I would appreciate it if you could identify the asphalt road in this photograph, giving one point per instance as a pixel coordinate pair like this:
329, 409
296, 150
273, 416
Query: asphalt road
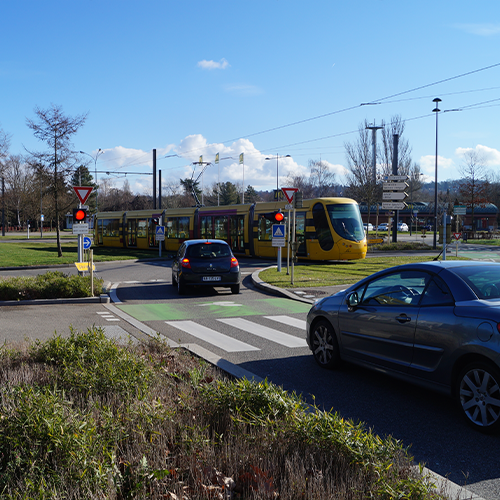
146, 302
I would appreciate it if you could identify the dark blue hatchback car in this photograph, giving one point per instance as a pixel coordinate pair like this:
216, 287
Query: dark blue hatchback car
205, 263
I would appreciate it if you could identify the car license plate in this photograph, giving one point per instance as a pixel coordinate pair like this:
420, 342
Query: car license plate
211, 278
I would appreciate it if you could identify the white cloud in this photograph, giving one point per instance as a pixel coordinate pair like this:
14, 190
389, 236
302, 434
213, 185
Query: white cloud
485, 29
491, 156
222, 64
178, 161
428, 165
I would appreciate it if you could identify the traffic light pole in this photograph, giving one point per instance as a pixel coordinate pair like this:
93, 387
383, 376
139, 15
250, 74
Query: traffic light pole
80, 242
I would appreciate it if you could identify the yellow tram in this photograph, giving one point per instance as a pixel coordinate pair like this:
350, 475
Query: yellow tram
325, 228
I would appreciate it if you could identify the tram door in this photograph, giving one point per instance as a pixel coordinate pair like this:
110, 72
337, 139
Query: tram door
131, 233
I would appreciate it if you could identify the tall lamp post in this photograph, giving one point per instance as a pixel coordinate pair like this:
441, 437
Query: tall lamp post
99, 152
436, 110
277, 168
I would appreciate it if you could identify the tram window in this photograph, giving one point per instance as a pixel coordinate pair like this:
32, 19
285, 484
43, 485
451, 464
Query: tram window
142, 228
346, 221
111, 227
206, 226
265, 229
183, 227
177, 227
236, 232
323, 232
220, 226
172, 227
300, 232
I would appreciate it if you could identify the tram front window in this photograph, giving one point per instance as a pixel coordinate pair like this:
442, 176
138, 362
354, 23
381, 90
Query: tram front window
346, 221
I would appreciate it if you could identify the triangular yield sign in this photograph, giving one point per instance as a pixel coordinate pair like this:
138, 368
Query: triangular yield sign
83, 192
289, 192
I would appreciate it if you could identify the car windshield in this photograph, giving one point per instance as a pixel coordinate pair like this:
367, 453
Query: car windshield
208, 251
484, 280
346, 221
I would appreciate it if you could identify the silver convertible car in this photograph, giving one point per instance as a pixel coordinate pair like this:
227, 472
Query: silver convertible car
436, 324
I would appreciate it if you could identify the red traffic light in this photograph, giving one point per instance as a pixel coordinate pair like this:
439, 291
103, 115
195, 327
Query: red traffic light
279, 216
79, 215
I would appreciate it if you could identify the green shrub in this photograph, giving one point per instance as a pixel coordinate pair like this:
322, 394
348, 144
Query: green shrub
51, 285
89, 362
45, 440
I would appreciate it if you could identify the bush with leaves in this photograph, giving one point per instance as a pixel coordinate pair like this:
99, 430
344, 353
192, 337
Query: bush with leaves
51, 285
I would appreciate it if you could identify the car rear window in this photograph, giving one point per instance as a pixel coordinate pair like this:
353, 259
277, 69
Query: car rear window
484, 280
208, 251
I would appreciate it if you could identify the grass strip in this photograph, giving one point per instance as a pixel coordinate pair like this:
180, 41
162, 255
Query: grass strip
336, 273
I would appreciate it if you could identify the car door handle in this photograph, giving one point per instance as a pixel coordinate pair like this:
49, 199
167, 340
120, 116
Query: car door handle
403, 318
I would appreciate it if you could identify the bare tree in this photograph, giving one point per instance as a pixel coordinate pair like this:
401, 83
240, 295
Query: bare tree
474, 185
322, 178
55, 129
386, 148
361, 185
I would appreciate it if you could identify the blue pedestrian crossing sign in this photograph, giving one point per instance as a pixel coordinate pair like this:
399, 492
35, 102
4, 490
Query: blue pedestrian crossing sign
278, 231
160, 233
278, 235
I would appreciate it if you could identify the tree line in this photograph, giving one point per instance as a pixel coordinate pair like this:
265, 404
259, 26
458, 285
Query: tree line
40, 181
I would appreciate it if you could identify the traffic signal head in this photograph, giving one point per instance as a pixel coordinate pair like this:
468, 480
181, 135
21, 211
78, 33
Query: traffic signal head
279, 216
79, 215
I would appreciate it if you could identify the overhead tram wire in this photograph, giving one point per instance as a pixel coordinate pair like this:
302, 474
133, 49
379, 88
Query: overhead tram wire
373, 102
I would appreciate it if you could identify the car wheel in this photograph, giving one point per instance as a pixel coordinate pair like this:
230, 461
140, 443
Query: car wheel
324, 345
478, 392
174, 279
181, 287
235, 288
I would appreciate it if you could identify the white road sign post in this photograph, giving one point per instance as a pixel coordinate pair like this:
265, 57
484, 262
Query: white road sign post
289, 194
278, 240
160, 236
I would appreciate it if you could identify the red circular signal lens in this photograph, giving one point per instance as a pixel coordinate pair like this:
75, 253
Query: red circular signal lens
278, 217
80, 215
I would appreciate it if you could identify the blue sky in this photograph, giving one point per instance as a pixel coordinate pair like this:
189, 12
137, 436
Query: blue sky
265, 78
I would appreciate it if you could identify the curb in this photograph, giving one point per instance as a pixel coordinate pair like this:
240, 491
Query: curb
102, 299
274, 290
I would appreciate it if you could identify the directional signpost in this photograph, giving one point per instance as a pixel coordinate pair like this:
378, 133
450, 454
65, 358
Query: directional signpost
394, 191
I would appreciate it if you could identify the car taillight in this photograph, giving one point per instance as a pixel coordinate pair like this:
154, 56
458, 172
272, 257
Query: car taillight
185, 263
498, 327
234, 262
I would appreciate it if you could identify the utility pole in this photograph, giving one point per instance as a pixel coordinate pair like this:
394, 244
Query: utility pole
395, 153
154, 179
374, 129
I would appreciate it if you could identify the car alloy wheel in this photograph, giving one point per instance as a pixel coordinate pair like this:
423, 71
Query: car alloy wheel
479, 396
324, 345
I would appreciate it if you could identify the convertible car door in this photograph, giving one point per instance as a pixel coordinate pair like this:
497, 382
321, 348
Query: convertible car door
381, 329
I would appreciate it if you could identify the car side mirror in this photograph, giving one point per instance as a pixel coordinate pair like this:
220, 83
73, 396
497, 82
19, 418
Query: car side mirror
352, 301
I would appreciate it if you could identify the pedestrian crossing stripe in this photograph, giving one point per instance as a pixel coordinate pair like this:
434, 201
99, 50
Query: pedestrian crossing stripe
230, 344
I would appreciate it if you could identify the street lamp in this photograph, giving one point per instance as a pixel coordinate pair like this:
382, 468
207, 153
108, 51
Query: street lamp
436, 110
99, 152
277, 168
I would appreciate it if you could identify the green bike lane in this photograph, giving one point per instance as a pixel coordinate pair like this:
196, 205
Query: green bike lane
201, 309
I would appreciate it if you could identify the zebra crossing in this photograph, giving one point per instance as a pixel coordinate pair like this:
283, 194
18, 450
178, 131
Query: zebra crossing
231, 344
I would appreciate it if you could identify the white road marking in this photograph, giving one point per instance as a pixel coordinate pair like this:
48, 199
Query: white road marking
288, 320
265, 332
217, 339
